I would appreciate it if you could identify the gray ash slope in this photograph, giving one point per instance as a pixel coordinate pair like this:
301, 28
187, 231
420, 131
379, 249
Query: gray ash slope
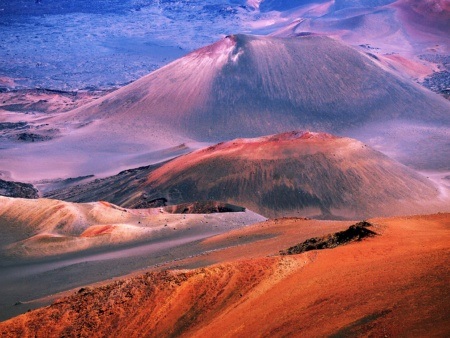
116, 189
311, 82
252, 86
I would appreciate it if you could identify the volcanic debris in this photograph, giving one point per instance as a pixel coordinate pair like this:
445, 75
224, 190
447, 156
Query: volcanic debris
18, 189
355, 232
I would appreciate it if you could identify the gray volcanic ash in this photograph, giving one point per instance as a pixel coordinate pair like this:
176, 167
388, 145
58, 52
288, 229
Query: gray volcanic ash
241, 86
250, 86
297, 173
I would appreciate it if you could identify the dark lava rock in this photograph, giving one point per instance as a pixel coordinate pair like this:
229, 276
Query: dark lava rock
356, 232
31, 137
439, 82
14, 125
207, 207
154, 203
18, 189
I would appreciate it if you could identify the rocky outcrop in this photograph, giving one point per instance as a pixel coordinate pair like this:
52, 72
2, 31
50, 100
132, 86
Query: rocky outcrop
18, 189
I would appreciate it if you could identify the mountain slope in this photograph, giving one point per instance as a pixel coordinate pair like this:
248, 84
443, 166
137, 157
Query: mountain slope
241, 86
249, 86
297, 173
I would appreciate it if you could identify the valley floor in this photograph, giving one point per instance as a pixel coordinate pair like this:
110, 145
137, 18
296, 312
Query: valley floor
392, 284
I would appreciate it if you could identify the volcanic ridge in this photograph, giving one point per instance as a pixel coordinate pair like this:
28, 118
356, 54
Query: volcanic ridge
290, 174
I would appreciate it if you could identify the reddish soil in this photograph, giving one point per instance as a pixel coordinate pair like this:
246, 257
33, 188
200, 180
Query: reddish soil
392, 284
306, 174
412, 68
96, 230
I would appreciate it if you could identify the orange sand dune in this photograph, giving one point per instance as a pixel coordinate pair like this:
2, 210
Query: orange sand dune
393, 284
45, 227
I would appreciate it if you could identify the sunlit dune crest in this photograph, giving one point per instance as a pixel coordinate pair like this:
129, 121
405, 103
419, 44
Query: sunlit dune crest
45, 227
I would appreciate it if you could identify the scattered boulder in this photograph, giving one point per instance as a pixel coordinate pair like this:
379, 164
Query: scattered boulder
145, 203
14, 125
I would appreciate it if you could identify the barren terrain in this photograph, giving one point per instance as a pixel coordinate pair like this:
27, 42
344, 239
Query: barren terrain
240, 86
151, 184
291, 174
48, 246
363, 288
43, 227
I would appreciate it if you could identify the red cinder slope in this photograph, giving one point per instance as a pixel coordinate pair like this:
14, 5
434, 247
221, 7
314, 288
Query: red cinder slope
297, 173
393, 284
